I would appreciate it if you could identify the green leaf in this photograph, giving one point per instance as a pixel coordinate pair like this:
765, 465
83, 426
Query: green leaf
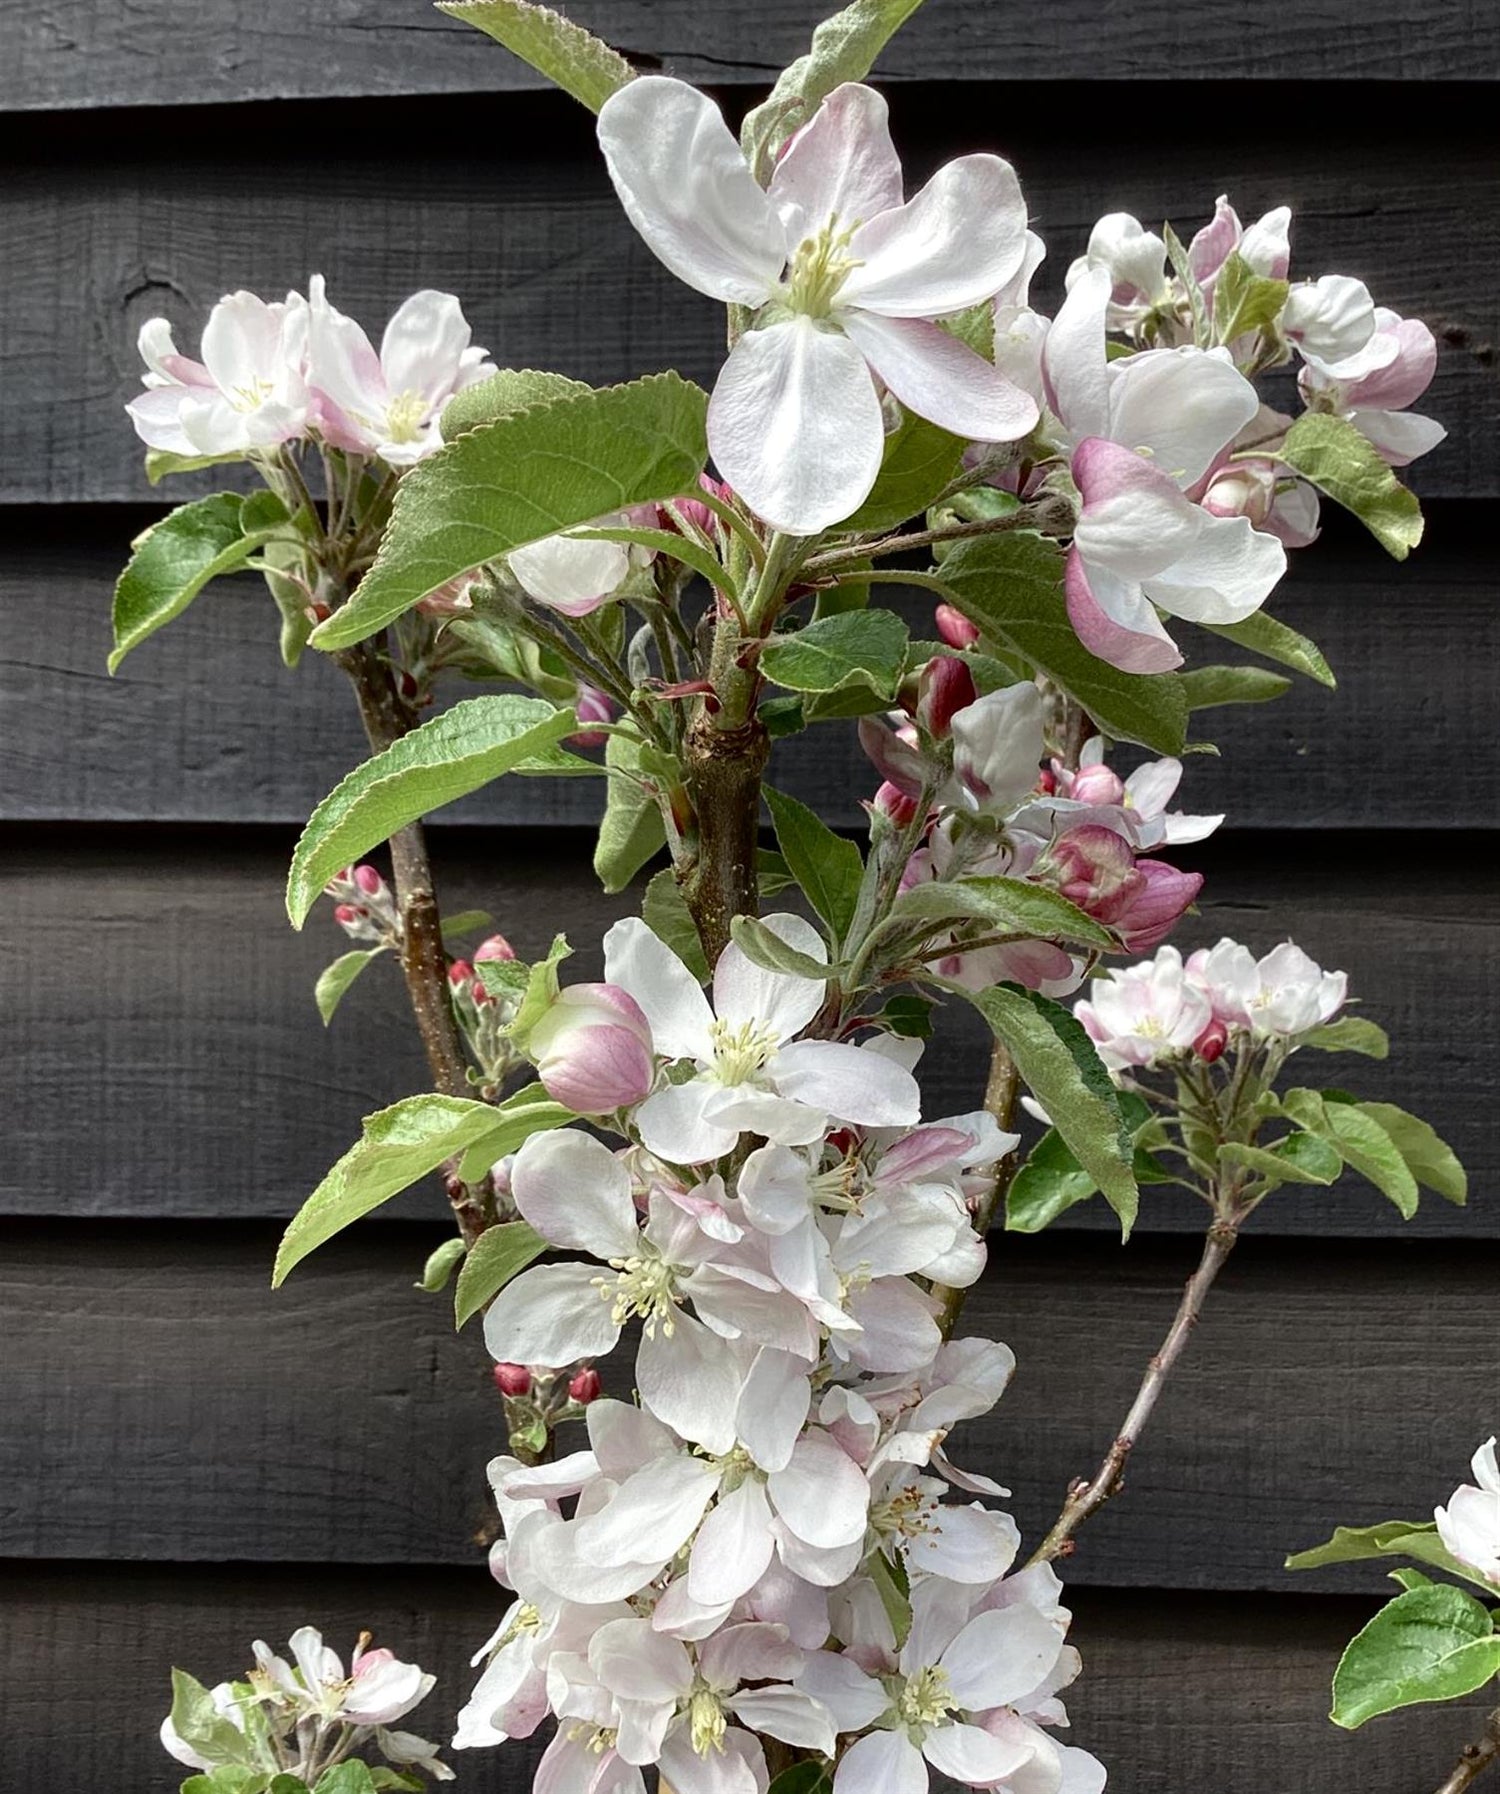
866, 647
803, 1778
1410, 1579
1330, 453
446, 758
467, 921
401, 1144
1064, 1072
1011, 586
827, 867
844, 48
173, 560
1350, 1034
908, 1017
1430, 1159
348, 1777
529, 475
162, 464
1244, 300
1391, 1538
509, 390
1262, 634
540, 992
665, 912
1182, 267
440, 1265
1004, 906
1047, 1185
577, 61
200, 1725
235, 1778
1430, 1644
893, 1585
383, 1777
334, 980
631, 831
919, 462
1369, 1150
499, 1254
766, 948
1207, 687
1313, 1161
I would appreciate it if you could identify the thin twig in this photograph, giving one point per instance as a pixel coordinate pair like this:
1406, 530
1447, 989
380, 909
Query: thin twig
1476, 1758
1002, 1093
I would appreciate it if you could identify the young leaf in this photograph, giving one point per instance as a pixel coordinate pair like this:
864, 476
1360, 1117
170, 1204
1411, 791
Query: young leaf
439, 1266
827, 867
1430, 1644
499, 1254
235, 1778
1207, 687
348, 1777
446, 758
1350, 1034
1369, 1150
1430, 1159
334, 980
162, 464
531, 474
894, 1588
199, 1723
509, 390
577, 61
401, 1144
1313, 1161
173, 560
1011, 586
865, 647
908, 1017
1003, 906
631, 830
919, 462
1064, 1072
1262, 634
665, 913
540, 992
1391, 1538
1330, 453
843, 48
766, 948
1244, 300
467, 921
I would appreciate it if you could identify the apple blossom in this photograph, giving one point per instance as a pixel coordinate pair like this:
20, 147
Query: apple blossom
1376, 402
592, 1049
1141, 1014
1469, 1525
576, 575
1283, 993
843, 279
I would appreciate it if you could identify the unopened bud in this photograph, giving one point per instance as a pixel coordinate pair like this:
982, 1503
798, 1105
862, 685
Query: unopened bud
591, 706
347, 915
368, 880
1046, 781
893, 802
494, 946
512, 1379
460, 973
954, 627
1211, 1042
585, 1385
946, 687
1097, 785
593, 1050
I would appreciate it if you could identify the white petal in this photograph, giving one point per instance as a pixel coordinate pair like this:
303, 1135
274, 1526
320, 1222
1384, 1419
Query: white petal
840, 166
652, 1515
1001, 1655
773, 1405
822, 1494
732, 1770
733, 1546
966, 1544
646, 968
882, 1763
1074, 361
747, 1109
785, 1714
567, 572
1228, 573
755, 1651
241, 345
858, 1086
558, 1566
575, 1192
423, 346
773, 1189
680, 1615
795, 425
779, 1002
638, 1664
624, 1438
688, 190
823, 1568
898, 1332
969, 1754
675, 1124
551, 1315
1181, 405
1399, 435
940, 378
551, 1482
854, 1698
690, 1381
956, 242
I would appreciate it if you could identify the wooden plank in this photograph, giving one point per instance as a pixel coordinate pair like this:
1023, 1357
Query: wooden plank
340, 1419
1192, 1693
212, 1088
107, 231
204, 724
74, 53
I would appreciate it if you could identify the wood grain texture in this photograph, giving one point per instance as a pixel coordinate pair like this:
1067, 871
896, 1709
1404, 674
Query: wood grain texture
1202, 1693
212, 1087
515, 214
204, 724
164, 1402
84, 53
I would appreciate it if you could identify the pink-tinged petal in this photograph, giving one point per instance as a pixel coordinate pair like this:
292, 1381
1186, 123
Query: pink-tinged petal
791, 1605
732, 1770
690, 1381
552, 1315
840, 166
423, 346
822, 1494
1001, 1655
1182, 406
165, 365
848, 1081
1128, 634
881, 1763
1075, 369
746, 994
575, 1192
795, 425
773, 1406
570, 574
752, 1652
652, 1515
1134, 520
158, 418
1403, 380
670, 997
1229, 572
783, 1713
569, 1766
636, 1663
968, 1753
854, 1698
1400, 436
1212, 245
956, 242
940, 378
688, 190
733, 1547
898, 1332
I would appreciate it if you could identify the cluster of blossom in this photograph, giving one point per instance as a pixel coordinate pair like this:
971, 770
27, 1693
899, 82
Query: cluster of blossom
1470, 1524
764, 1547
1165, 1007
299, 370
302, 1717
364, 906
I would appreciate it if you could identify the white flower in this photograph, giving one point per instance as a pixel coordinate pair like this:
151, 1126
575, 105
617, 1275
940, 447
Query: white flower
1135, 260
752, 1074
997, 744
388, 404
1470, 1524
576, 575
1376, 402
1283, 993
378, 1690
1331, 323
845, 280
247, 392
1143, 1012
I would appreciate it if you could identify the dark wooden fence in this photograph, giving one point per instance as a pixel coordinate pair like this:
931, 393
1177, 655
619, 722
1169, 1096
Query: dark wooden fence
186, 1460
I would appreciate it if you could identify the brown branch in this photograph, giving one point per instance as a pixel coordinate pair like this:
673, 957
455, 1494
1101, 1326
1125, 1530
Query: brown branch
1002, 1092
723, 769
1086, 1498
1476, 1758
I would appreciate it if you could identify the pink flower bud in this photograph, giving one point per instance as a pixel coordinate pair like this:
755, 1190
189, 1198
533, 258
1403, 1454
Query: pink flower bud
894, 803
460, 973
1159, 896
1091, 866
694, 511
592, 706
585, 1385
1046, 781
368, 880
1097, 785
347, 915
512, 1379
593, 1050
1211, 1042
946, 687
1243, 489
954, 627
494, 946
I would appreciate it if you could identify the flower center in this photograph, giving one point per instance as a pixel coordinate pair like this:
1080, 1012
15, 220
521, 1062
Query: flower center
404, 416
645, 1285
251, 396
926, 1699
739, 1053
818, 270
597, 1739
905, 1516
706, 1720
